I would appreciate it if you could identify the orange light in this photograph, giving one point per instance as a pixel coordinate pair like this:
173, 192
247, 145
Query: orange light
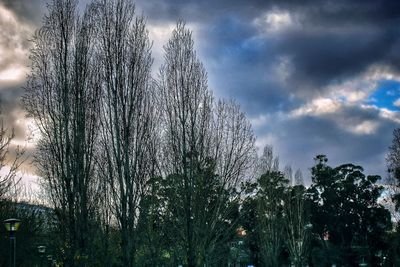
241, 232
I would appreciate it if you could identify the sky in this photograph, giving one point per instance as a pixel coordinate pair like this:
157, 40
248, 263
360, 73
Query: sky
313, 77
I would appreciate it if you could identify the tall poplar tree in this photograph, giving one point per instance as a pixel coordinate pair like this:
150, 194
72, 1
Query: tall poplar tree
207, 149
63, 96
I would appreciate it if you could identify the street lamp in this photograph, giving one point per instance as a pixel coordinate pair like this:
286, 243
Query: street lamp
12, 226
308, 226
363, 263
50, 259
41, 250
241, 234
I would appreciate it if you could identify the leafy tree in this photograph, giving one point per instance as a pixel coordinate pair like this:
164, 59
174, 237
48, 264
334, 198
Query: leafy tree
275, 216
345, 208
154, 236
249, 221
263, 217
270, 213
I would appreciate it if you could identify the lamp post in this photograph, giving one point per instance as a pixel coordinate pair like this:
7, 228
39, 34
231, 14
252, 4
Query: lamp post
362, 263
50, 259
241, 234
12, 226
41, 250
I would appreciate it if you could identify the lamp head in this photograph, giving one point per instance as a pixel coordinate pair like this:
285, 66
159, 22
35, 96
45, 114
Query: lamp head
41, 249
12, 225
308, 226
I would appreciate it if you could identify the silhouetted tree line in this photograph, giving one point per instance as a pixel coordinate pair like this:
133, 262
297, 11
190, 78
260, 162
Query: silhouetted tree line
155, 171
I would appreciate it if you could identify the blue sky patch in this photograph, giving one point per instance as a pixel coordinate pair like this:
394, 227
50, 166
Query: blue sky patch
387, 92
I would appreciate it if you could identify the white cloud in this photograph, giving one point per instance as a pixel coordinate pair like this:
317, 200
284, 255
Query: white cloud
160, 34
14, 46
390, 115
363, 128
262, 141
359, 88
352, 94
317, 107
283, 69
13, 73
31, 133
260, 120
275, 21
397, 103
337, 112
7, 15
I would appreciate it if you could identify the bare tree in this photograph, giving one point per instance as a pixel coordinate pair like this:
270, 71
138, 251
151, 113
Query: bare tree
296, 224
393, 156
267, 162
187, 107
128, 114
281, 212
234, 156
206, 149
288, 172
233, 143
10, 161
298, 178
393, 179
62, 95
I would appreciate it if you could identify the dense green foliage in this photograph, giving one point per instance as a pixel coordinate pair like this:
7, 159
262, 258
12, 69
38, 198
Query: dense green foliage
345, 206
342, 220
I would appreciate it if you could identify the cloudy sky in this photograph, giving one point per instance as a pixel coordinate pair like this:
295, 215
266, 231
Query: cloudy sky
316, 77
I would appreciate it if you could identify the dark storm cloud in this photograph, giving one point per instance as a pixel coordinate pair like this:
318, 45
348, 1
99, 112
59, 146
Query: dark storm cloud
299, 140
337, 39
329, 43
274, 71
32, 11
322, 58
13, 41
29, 11
201, 11
12, 117
11, 109
334, 41
15, 30
239, 66
345, 13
